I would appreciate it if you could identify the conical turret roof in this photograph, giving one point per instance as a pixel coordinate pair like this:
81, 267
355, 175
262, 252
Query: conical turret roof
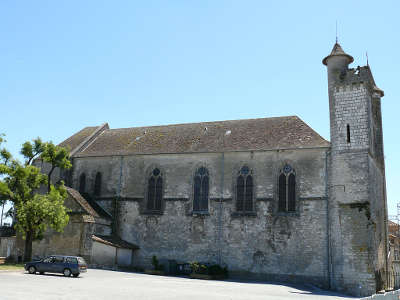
337, 51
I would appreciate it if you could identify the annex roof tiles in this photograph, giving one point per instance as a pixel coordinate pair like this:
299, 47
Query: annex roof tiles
81, 201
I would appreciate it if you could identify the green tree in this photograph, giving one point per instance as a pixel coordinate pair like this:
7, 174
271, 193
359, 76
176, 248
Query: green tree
30, 150
4, 159
38, 213
57, 157
20, 183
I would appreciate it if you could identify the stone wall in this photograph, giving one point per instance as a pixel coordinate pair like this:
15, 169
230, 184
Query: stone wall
353, 247
7, 245
265, 244
378, 219
124, 257
74, 240
103, 255
357, 186
350, 108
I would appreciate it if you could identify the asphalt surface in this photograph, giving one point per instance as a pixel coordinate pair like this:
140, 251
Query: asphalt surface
111, 285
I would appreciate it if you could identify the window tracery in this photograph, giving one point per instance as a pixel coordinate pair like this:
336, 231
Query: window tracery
287, 189
154, 191
201, 190
244, 190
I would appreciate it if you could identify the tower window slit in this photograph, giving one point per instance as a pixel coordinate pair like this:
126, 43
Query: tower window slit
348, 133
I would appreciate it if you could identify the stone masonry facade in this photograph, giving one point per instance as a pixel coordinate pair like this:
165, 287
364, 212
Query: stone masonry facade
264, 244
315, 210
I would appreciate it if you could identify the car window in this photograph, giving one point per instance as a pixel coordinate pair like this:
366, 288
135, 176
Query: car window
58, 259
48, 259
71, 260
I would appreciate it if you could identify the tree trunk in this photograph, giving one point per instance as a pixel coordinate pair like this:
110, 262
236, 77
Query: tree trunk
28, 246
2, 213
49, 178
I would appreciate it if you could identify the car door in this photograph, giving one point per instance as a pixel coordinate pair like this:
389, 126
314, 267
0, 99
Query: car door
72, 264
58, 264
45, 265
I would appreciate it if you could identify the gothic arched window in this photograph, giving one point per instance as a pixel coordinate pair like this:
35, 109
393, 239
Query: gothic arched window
244, 190
82, 183
287, 190
97, 184
201, 187
154, 191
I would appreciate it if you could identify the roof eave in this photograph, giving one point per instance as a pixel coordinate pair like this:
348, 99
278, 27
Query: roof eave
200, 152
325, 60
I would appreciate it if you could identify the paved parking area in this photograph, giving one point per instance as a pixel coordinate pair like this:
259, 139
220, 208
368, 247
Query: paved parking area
111, 285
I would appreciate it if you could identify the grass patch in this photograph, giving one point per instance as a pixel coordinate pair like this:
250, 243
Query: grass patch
11, 267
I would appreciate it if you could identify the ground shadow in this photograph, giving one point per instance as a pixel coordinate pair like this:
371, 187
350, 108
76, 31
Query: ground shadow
53, 275
305, 289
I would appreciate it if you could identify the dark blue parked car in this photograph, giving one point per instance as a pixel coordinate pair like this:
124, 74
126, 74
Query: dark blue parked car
67, 265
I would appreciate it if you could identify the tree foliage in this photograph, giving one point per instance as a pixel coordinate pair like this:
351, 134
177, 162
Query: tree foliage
30, 150
20, 184
5, 157
42, 211
57, 157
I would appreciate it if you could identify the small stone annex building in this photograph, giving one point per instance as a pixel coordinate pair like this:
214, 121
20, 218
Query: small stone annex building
269, 198
88, 234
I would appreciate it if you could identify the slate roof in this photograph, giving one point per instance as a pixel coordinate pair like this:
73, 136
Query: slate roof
75, 140
234, 135
338, 51
114, 241
81, 201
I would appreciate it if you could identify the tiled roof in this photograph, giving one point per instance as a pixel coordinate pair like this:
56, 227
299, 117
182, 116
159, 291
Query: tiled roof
114, 241
74, 141
82, 201
235, 135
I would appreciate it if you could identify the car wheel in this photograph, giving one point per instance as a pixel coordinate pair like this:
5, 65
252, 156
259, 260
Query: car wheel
67, 272
32, 270
76, 275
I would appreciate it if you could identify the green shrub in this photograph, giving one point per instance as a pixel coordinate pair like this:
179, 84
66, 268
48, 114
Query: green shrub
199, 268
205, 269
156, 264
217, 270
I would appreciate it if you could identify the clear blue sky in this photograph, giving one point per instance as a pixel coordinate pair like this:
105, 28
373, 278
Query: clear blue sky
70, 64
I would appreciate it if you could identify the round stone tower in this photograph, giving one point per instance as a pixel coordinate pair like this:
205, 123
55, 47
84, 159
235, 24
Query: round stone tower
337, 64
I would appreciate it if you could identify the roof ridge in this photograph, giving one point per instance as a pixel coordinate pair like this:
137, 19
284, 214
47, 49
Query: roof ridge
86, 142
207, 122
83, 203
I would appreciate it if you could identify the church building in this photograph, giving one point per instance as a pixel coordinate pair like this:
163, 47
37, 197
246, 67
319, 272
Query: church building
269, 198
